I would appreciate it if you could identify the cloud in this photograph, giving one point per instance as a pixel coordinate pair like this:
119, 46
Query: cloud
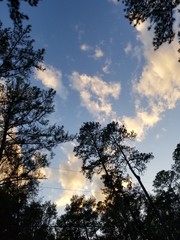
50, 173
113, 1
98, 53
79, 30
128, 48
95, 52
159, 135
85, 47
136, 51
106, 68
72, 180
95, 94
52, 78
158, 88
142, 121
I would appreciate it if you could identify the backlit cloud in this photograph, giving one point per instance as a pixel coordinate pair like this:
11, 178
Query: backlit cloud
96, 94
72, 180
52, 78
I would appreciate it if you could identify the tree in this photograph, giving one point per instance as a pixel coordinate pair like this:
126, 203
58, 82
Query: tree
37, 221
14, 9
166, 186
176, 158
26, 135
27, 138
79, 220
18, 58
131, 202
160, 15
167, 201
31, 220
107, 151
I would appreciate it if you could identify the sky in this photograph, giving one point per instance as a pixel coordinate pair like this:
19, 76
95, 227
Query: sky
103, 69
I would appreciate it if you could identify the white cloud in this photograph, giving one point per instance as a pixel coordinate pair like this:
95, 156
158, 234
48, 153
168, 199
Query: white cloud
135, 52
98, 53
95, 52
79, 29
159, 135
159, 84
85, 47
95, 94
106, 68
114, 1
128, 48
52, 78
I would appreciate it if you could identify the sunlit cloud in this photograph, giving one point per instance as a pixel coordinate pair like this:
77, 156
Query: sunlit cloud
52, 78
50, 174
72, 179
98, 53
158, 86
96, 94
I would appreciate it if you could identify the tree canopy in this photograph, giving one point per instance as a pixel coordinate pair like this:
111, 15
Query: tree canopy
161, 16
15, 12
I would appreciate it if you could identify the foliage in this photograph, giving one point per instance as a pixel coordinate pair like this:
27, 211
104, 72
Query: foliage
80, 220
18, 58
27, 136
107, 151
14, 9
160, 15
21, 219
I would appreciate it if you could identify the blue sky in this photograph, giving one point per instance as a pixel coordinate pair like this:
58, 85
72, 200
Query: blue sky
103, 69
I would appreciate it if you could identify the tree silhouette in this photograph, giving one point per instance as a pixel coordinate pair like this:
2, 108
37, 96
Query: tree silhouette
15, 12
18, 58
107, 151
27, 136
160, 15
25, 219
80, 220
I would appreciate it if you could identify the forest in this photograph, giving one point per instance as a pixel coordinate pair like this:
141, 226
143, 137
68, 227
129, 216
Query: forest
28, 140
